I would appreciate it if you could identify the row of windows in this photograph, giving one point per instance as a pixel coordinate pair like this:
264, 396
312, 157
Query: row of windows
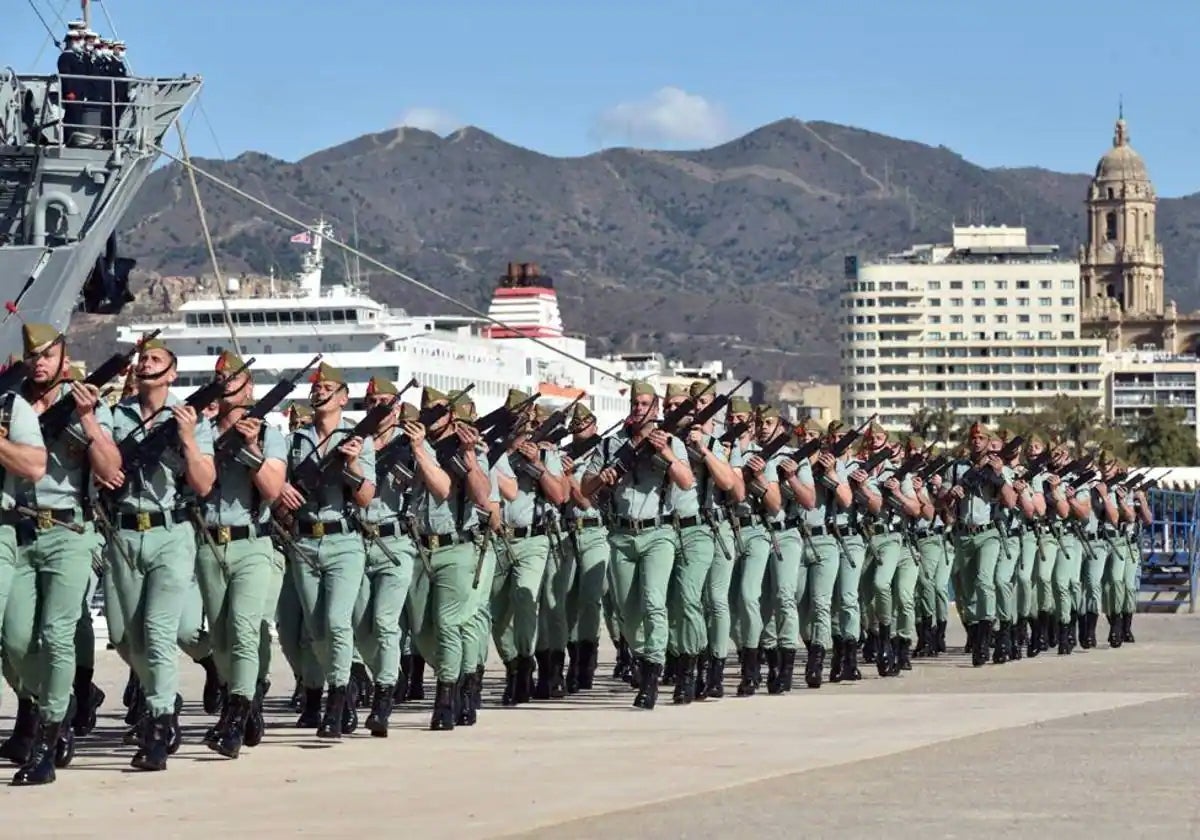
976, 285
968, 369
972, 352
937, 302
272, 319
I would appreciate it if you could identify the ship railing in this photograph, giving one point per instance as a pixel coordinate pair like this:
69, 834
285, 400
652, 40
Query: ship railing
79, 111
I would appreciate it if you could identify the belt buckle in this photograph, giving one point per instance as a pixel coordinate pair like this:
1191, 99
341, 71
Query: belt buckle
224, 534
318, 529
509, 532
143, 521
44, 519
435, 541
371, 529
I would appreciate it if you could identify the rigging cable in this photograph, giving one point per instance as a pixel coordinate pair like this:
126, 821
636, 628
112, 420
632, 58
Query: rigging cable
192, 168
49, 31
212, 254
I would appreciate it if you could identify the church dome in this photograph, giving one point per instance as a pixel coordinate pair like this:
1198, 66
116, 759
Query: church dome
1121, 162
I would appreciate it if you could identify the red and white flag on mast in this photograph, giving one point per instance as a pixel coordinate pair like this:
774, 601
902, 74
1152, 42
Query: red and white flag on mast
304, 238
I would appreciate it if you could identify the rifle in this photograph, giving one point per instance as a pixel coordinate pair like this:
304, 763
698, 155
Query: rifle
231, 437
933, 467
394, 458
499, 422
310, 474
13, 376
753, 487
911, 463
709, 412
733, 433
839, 447
629, 453
874, 460
56, 418
974, 478
540, 434
149, 450
577, 448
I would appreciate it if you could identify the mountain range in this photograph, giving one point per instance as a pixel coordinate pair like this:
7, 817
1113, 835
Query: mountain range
734, 252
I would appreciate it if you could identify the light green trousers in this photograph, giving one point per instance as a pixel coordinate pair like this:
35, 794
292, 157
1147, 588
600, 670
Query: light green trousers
590, 551
934, 575
1067, 591
642, 565
516, 590
294, 638
979, 552
553, 630
749, 573
381, 599
1043, 583
686, 627
847, 612
1006, 578
717, 591
328, 573
818, 577
442, 601
235, 578
1095, 565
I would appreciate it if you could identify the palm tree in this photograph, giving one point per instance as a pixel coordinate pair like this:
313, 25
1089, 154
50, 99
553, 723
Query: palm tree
921, 422
945, 424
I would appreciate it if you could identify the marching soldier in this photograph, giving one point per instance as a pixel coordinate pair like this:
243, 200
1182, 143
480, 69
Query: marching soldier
235, 558
453, 543
155, 543
1061, 519
1094, 506
1142, 516
553, 632
390, 556
642, 539
587, 540
330, 556
55, 539
797, 497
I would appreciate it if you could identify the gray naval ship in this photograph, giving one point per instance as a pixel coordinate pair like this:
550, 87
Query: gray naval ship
75, 148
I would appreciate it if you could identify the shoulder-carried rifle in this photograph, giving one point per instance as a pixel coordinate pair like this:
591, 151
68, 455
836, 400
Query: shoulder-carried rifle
231, 440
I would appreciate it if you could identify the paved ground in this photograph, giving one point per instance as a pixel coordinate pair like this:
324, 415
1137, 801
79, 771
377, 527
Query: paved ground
1100, 744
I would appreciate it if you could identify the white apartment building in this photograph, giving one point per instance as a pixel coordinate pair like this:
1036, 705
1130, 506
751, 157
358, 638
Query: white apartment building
985, 326
1140, 380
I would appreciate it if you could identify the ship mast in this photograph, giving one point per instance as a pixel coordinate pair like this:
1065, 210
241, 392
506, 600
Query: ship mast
87, 14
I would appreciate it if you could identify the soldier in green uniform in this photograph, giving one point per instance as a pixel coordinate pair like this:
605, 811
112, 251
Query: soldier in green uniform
235, 558
1039, 549
55, 539
1060, 520
977, 540
696, 521
390, 556
587, 542
553, 632
928, 532
643, 539
531, 485
330, 556
1095, 506
451, 508
154, 560
1142, 516
821, 556
1011, 525
847, 613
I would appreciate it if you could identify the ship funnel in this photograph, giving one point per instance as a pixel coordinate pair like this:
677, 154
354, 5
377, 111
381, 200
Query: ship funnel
525, 301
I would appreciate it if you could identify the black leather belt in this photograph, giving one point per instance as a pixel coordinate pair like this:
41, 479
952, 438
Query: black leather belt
744, 521
1108, 532
320, 529
715, 514
1019, 531
222, 534
378, 530
582, 524
627, 524
436, 541
975, 529
145, 520
523, 532
928, 532
818, 531
44, 518
875, 530
689, 521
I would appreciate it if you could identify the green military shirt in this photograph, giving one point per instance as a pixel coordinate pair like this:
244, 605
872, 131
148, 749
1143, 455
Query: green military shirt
23, 428
64, 484
975, 507
827, 510
391, 500
530, 506
643, 493
574, 513
738, 457
888, 514
771, 474
234, 500
330, 501
708, 495
161, 486
457, 513
1092, 523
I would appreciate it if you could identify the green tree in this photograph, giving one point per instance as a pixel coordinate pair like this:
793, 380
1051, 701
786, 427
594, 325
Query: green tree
921, 421
944, 424
1162, 440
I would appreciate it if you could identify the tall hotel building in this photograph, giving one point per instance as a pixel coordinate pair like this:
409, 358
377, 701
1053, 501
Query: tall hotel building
985, 325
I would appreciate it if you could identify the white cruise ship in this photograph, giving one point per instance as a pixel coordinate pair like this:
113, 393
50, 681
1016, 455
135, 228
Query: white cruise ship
365, 338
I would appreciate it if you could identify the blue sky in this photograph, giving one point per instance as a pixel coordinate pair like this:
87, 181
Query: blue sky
1017, 83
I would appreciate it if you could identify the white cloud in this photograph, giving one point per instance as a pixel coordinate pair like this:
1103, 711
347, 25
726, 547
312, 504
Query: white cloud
430, 119
669, 116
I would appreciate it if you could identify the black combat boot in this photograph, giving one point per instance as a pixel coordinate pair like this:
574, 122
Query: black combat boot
850, 672
256, 725
541, 689
685, 679
466, 713
310, 715
1064, 638
296, 701
1092, 620
381, 710
443, 707
18, 747
558, 682
1072, 639
839, 659
213, 736
787, 668
156, 744
212, 685
510, 681
335, 709
38, 769
1127, 629
870, 646
624, 659
670, 669
175, 734
132, 686
523, 690
1050, 627
400, 691
1114, 631
1001, 653
714, 684
587, 665
90, 698
648, 691
634, 677
1081, 630
349, 712
749, 683
980, 643
773, 660
639, 699
940, 643
1036, 630
1019, 640
903, 655
701, 691
924, 631
230, 744
416, 679
64, 749
572, 678
361, 681
814, 666
885, 660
